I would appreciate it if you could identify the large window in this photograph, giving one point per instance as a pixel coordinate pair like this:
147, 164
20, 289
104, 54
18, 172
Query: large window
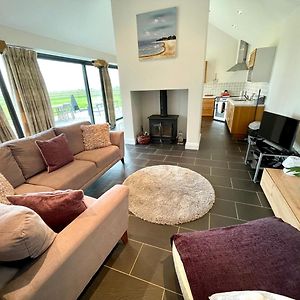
65, 84
114, 78
75, 92
94, 83
11, 114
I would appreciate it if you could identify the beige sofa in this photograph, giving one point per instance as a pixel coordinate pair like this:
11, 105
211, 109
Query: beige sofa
22, 164
63, 271
67, 266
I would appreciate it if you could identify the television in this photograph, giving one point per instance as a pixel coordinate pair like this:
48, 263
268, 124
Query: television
278, 129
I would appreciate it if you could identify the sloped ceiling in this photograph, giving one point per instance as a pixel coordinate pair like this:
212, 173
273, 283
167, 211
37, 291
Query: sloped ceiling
84, 23
259, 22
89, 23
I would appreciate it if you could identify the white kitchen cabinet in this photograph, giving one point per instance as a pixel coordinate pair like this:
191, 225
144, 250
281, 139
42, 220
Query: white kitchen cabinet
261, 64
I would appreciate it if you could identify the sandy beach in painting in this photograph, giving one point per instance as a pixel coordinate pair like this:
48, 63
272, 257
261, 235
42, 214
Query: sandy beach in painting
169, 50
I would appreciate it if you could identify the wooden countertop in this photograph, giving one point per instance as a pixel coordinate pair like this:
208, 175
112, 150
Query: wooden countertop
243, 103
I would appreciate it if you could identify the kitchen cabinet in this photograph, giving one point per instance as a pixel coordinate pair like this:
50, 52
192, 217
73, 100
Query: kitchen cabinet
260, 64
208, 104
239, 114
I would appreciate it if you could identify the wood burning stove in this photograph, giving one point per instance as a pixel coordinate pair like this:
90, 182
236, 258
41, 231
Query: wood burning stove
163, 127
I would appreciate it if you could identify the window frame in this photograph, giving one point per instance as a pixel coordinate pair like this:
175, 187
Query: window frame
84, 63
10, 107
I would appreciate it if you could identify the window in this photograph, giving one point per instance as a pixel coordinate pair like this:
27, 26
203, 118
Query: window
3, 106
94, 83
11, 114
68, 97
114, 78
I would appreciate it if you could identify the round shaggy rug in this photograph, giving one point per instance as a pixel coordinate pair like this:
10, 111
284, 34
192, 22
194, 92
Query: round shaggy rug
169, 194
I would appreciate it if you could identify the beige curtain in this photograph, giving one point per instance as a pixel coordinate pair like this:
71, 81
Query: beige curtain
103, 67
29, 89
6, 133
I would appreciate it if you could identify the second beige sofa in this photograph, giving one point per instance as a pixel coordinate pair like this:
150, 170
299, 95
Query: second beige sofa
22, 164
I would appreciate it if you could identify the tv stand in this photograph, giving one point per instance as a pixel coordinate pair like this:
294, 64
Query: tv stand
261, 155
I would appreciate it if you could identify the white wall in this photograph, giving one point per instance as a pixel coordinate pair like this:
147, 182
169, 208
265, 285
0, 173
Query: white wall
221, 55
284, 92
185, 71
50, 46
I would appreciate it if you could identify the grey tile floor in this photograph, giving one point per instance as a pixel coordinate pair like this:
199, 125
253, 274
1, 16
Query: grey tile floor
143, 269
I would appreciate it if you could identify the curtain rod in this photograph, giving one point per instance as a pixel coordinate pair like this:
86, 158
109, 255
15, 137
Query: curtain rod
4, 45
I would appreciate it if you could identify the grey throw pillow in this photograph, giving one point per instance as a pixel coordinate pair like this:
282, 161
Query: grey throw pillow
23, 233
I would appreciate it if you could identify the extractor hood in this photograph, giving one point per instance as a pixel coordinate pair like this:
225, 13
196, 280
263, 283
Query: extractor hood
241, 58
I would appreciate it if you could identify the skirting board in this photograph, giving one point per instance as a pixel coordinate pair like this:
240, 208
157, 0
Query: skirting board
193, 146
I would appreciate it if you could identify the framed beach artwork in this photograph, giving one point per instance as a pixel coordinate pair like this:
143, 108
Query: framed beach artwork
157, 33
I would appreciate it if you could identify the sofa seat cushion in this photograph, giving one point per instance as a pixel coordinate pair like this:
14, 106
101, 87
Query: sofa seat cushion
7, 273
31, 188
102, 157
71, 176
9, 167
27, 154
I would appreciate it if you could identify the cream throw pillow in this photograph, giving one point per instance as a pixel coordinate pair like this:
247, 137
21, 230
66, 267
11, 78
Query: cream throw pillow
23, 233
95, 136
6, 189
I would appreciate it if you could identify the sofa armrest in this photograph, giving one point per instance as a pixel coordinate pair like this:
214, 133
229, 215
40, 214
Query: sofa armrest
117, 138
76, 254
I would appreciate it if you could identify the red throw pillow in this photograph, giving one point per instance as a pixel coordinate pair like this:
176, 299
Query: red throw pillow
55, 152
57, 209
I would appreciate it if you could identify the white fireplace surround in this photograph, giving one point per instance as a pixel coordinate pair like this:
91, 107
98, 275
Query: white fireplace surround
147, 102
183, 72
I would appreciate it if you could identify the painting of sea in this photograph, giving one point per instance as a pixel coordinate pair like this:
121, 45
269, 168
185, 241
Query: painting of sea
157, 33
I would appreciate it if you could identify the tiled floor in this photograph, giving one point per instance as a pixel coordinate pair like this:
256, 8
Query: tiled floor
143, 269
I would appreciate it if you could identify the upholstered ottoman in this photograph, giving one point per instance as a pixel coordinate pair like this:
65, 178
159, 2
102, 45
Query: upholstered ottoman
258, 255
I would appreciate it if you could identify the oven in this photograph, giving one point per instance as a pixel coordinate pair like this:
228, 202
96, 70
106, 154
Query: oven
220, 108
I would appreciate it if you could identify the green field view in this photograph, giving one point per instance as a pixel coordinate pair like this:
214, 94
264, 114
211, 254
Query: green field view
58, 98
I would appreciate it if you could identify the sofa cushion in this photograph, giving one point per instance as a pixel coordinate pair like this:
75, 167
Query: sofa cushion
58, 208
55, 152
6, 189
9, 167
71, 176
31, 188
7, 273
27, 153
102, 157
95, 136
74, 136
23, 233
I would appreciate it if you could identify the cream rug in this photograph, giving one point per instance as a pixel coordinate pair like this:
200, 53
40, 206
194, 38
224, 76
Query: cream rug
169, 194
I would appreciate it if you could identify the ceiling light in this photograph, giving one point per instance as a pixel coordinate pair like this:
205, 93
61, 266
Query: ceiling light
239, 11
234, 26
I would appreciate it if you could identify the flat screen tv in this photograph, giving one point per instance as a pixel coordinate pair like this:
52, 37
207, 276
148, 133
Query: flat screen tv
278, 129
